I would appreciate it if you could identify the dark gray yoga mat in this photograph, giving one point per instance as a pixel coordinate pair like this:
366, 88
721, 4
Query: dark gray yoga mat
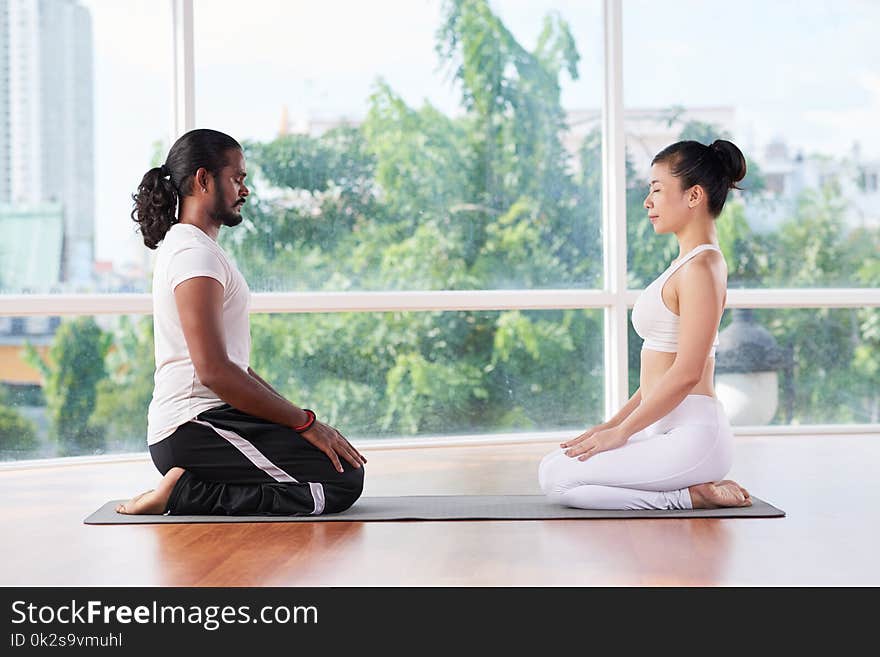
446, 507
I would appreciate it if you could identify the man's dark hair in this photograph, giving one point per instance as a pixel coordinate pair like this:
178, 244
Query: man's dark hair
156, 200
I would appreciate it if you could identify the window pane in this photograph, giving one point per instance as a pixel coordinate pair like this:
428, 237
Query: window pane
385, 158
74, 386
84, 110
405, 375
437, 373
400, 375
797, 366
796, 85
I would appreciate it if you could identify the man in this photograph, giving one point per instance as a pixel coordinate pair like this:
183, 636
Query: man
226, 442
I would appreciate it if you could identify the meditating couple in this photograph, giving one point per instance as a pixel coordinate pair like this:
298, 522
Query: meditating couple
227, 443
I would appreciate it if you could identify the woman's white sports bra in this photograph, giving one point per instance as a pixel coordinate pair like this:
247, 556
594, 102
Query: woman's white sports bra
653, 321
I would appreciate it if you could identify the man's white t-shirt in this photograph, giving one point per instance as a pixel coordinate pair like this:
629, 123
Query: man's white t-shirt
178, 395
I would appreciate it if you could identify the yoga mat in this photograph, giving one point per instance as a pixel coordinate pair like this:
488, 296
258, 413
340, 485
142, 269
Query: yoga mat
446, 507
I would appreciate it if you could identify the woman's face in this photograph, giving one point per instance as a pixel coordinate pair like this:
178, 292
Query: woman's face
666, 203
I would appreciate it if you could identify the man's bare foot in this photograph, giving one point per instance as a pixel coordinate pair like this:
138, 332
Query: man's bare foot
152, 502
724, 493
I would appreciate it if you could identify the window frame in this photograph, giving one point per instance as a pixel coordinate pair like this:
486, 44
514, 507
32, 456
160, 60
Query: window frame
614, 298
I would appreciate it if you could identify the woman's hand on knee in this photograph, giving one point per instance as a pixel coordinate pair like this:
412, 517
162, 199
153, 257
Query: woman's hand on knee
593, 441
586, 434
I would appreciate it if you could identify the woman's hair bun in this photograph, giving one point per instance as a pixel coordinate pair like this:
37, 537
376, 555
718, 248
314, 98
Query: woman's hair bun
732, 159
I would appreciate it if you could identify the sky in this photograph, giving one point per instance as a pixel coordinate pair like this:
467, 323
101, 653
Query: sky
806, 71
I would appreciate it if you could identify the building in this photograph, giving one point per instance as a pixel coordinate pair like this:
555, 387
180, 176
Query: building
47, 205
647, 130
32, 258
47, 122
788, 173
5, 159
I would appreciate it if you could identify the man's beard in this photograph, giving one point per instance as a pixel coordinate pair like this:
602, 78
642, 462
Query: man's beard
231, 218
223, 214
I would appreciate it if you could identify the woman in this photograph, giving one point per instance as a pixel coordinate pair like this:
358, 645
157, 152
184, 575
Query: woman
226, 442
671, 444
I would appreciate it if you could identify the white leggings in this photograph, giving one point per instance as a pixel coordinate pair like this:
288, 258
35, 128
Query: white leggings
692, 444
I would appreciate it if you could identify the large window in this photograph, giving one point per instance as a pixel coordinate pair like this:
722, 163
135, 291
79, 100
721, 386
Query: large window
74, 386
446, 188
800, 367
797, 87
462, 152
85, 108
82, 385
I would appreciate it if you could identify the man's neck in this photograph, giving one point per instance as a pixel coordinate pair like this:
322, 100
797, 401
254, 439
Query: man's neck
202, 221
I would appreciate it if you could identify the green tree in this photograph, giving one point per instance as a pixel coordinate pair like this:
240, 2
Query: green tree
414, 199
744, 251
312, 198
811, 249
18, 435
72, 373
865, 366
124, 395
513, 101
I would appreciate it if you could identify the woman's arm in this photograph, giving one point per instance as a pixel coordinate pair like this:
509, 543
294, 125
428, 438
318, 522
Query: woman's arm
668, 393
700, 304
625, 410
200, 306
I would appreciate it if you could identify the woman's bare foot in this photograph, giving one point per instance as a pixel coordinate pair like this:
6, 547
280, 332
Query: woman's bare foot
719, 494
152, 502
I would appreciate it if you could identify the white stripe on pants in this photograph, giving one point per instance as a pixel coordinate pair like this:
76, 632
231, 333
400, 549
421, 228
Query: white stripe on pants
693, 444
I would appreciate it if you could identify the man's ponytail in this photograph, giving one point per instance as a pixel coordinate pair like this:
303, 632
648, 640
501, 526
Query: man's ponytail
155, 206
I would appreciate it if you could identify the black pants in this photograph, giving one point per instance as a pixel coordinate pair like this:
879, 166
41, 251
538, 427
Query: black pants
238, 464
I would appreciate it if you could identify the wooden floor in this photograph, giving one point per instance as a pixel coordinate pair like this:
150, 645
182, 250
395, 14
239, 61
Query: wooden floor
826, 484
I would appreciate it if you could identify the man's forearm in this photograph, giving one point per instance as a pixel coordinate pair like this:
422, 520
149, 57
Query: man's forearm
668, 392
250, 394
626, 409
265, 384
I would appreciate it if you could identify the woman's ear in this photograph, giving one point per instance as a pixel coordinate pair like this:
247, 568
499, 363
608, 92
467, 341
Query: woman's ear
695, 196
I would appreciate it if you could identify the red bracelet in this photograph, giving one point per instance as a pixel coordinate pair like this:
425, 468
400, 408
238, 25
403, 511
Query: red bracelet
307, 425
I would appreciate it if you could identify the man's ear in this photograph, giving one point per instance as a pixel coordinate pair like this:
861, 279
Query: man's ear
200, 181
695, 196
